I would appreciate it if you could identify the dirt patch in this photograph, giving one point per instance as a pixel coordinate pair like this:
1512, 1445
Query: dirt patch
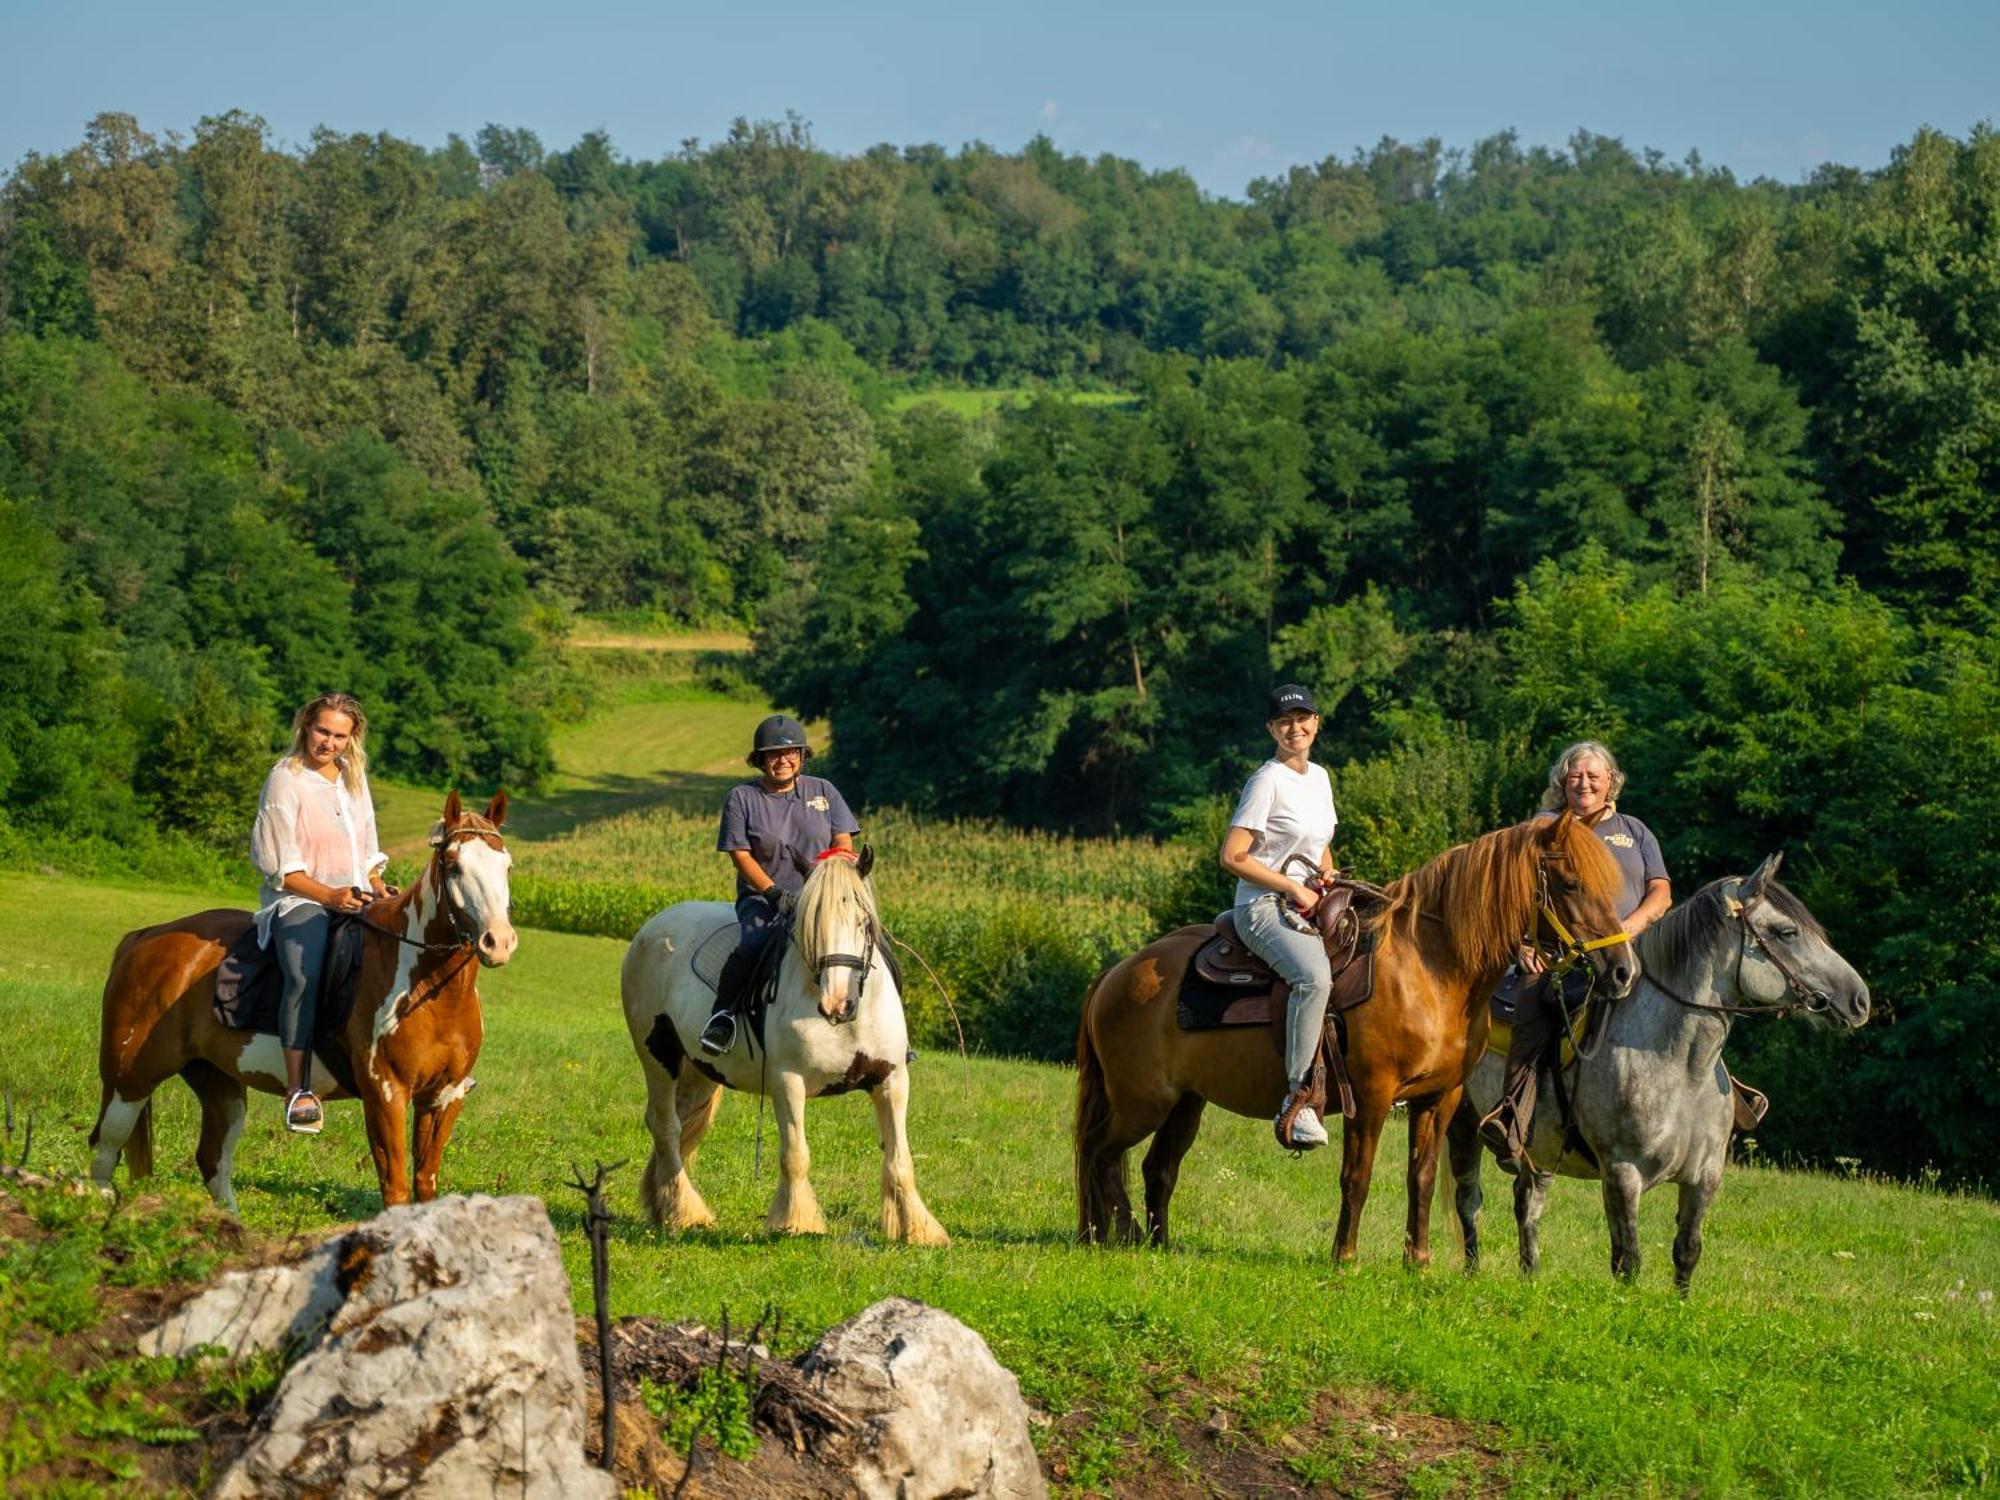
1356, 1443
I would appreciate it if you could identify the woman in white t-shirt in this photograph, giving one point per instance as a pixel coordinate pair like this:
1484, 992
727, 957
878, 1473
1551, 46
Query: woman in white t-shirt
1287, 809
314, 843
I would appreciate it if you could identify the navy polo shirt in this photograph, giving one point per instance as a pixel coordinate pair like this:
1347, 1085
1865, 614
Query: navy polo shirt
784, 831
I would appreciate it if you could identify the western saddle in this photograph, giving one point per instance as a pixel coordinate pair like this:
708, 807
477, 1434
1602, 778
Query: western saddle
1226, 962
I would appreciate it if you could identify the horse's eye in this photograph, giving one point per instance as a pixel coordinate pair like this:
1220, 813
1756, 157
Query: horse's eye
1786, 932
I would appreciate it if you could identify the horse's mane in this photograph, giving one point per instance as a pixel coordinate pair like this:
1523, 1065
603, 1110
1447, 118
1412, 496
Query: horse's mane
832, 892
1675, 943
1483, 894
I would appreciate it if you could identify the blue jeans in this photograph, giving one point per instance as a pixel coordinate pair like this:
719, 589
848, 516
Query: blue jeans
300, 938
1300, 959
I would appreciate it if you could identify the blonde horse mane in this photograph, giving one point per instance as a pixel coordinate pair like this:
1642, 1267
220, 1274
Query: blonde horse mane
1484, 894
833, 893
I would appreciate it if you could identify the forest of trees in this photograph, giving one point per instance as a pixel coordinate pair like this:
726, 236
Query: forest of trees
1496, 447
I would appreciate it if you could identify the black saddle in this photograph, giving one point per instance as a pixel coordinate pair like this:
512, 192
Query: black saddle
250, 984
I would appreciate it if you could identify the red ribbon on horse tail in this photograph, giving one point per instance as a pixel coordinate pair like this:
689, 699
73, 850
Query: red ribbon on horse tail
847, 854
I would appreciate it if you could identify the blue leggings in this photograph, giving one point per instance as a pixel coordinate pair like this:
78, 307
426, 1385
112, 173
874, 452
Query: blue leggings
300, 938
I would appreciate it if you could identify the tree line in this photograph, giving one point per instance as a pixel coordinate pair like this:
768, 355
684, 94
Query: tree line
1495, 447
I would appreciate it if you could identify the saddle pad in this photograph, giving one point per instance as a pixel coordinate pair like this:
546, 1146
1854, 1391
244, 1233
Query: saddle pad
1500, 1036
1206, 1006
250, 984
712, 952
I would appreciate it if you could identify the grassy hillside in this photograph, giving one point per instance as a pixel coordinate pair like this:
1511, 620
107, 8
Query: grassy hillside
974, 404
670, 720
1836, 1341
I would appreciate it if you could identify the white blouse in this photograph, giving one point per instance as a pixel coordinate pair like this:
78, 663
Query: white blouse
305, 822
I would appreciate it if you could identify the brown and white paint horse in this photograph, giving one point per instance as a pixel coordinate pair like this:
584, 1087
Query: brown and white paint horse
412, 1037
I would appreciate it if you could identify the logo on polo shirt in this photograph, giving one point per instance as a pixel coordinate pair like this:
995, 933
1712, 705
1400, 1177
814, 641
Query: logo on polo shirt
1622, 840
820, 804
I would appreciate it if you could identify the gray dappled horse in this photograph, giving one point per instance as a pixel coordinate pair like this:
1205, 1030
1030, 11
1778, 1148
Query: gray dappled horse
1649, 1093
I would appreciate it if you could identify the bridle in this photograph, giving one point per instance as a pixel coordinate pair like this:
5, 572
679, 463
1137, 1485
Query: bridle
1805, 997
862, 963
469, 826
1570, 949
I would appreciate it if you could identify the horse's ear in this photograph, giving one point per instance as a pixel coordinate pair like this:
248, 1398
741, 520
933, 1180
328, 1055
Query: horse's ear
496, 810
452, 810
1760, 879
866, 862
1558, 830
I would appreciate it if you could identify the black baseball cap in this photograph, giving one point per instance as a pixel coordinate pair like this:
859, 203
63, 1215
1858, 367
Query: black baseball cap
1291, 698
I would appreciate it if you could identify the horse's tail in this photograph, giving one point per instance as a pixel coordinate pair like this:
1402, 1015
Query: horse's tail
1093, 1120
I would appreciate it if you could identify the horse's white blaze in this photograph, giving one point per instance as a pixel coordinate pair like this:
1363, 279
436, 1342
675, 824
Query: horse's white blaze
261, 1064
221, 1187
113, 1131
482, 887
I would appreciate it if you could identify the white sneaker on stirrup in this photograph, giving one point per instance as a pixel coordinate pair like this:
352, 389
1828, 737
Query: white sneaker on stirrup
1307, 1132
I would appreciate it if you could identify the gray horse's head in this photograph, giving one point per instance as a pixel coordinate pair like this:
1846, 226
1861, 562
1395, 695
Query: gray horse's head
1786, 958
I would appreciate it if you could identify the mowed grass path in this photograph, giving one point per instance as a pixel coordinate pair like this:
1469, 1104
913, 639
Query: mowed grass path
1835, 1342
683, 755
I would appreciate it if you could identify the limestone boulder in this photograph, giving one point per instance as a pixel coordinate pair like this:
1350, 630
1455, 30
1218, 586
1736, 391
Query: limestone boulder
447, 1366
281, 1307
937, 1414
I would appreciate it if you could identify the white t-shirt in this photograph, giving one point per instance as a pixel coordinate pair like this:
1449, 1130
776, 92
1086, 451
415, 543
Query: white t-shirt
1289, 812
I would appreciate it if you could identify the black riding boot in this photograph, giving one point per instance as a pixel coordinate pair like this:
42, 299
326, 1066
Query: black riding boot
1506, 1128
719, 1035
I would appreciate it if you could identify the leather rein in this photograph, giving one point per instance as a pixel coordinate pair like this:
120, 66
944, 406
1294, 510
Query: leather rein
1807, 999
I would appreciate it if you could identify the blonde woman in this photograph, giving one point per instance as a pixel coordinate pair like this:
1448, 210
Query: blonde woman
314, 842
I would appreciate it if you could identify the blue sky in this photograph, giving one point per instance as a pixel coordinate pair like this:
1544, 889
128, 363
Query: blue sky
1230, 92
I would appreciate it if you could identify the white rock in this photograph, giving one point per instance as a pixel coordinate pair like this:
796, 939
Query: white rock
245, 1312
942, 1417
449, 1367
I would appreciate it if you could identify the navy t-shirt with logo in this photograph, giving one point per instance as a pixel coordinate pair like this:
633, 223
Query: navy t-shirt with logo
1638, 854
784, 831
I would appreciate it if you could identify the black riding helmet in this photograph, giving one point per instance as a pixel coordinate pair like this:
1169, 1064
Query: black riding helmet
779, 732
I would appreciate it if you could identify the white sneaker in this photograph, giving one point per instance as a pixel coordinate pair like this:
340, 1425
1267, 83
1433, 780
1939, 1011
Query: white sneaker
1307, 1132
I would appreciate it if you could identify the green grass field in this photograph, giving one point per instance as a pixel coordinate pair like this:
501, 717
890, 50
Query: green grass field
974, 404
1836, 1341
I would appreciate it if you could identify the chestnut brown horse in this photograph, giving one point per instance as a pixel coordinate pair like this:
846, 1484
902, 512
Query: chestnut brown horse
412, 1036
1442, 940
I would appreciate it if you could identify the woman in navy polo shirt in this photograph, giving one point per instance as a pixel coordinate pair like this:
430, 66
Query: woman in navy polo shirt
773, 829
1586, 780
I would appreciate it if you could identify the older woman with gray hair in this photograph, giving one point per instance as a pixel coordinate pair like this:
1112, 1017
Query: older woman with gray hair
1586, 781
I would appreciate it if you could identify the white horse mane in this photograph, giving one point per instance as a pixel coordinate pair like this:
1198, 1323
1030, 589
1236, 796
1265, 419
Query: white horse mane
834, 894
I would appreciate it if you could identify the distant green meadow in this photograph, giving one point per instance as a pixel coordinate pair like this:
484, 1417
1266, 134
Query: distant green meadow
1841, 1337
974, 404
